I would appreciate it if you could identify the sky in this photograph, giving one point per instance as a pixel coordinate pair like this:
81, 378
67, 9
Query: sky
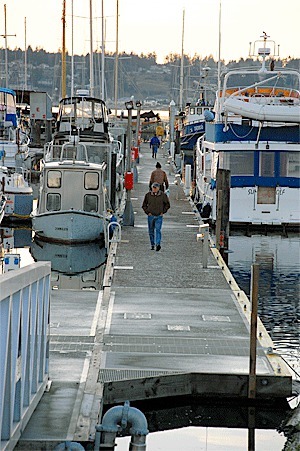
155, 26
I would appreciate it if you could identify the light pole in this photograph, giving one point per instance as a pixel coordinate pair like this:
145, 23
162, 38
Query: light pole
128, 215
171, 128
136, 153
138, 105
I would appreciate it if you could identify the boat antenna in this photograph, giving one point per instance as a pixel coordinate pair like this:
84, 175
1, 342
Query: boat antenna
72, 44
265, 51
91, 51
117, 60
63, 53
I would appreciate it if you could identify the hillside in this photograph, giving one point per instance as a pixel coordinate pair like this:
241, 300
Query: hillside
138, 76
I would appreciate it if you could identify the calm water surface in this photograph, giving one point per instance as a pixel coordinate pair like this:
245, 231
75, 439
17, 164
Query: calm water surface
279, 260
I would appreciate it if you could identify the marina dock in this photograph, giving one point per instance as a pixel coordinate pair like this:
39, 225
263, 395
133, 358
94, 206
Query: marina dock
163, 326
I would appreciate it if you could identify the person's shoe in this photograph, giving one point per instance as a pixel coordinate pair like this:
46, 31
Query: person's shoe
158, 247
152, 248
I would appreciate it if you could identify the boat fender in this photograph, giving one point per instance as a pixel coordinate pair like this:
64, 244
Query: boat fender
213, 184
209, 116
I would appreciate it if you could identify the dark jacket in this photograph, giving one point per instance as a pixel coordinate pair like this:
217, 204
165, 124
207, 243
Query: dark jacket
156, 203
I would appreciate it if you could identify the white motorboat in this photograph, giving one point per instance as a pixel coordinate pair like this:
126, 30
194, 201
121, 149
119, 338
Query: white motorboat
81, 175
255, 134
18, 194
72, 204
14, 141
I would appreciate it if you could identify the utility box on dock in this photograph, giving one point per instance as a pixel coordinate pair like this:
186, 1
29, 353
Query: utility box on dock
40, 106
11, 261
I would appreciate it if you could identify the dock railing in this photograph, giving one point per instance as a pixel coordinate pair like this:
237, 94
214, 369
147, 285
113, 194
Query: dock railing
24, 347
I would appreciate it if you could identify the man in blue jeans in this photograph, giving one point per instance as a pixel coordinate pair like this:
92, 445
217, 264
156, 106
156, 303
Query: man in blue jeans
156, 203
154, 144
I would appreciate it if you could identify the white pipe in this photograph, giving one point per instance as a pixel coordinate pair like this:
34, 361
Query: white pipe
110, 426
188, 177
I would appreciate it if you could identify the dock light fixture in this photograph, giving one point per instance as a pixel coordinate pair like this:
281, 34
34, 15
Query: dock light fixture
129, 105
138, 103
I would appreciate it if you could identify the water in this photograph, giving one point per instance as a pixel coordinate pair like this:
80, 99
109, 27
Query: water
214, 427
278, 307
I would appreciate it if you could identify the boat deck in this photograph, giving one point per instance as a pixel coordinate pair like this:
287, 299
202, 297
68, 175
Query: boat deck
163, 326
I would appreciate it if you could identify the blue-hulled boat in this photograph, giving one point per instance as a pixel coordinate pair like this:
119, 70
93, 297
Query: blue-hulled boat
255, 134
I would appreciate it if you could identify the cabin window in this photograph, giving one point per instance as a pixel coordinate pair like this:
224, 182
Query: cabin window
91, 180
68, 110
54, 179
98, 112
290, 164
53, 202
70, 153
239, 163
10, 104
90, 203
267, 164
199, 110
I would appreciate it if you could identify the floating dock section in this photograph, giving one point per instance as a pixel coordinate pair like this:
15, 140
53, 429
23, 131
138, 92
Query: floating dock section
165, 325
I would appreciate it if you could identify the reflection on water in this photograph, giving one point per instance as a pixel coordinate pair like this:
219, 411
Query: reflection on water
279, 261
74, 267
198, 426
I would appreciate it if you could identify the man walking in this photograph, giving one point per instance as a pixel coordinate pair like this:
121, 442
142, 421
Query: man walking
154, 144
159, 176
155, 205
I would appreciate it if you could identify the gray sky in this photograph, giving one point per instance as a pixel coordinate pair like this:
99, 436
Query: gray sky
155, 26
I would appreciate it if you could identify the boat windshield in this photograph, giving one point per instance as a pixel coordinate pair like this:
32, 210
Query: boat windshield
82, 109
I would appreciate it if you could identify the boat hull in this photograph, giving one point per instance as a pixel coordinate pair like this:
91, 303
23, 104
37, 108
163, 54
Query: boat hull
68, 226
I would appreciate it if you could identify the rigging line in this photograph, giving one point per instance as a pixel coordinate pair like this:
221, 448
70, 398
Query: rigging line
297, 374
235, 134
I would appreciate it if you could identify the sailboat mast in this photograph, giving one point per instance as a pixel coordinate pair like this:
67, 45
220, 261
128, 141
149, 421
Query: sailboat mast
181, 66
63, 54
219, 63
72, 45
5, 35
117, 59
102, 54
6, 57
25, 56
91, 51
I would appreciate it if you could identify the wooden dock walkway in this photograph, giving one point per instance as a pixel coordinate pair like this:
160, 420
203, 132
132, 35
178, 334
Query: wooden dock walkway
163, 326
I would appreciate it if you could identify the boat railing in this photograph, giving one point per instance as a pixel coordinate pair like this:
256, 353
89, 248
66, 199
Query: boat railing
93, 152
117, 148
265, 96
